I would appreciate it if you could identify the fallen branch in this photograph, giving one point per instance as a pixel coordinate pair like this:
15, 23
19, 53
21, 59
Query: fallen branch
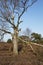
30, 44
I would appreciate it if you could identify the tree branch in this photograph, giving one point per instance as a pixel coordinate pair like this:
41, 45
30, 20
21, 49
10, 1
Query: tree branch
5, 19
20, 17
24, 9
5, 31
31, 4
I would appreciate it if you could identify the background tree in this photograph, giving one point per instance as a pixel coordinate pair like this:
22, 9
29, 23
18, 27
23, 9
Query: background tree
27, 34
9, 41
9, 11
35, 37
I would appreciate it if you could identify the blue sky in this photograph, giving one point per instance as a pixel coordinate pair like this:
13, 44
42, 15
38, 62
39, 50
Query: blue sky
33, 18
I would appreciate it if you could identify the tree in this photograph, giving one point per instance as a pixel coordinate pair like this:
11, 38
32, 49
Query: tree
9, 11
36, 37
27, 34
9, 41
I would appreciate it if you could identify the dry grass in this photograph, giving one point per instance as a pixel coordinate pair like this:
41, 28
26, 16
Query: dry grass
25, 56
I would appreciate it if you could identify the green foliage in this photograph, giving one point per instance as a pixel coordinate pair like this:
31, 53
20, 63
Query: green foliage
9, 41
37, 38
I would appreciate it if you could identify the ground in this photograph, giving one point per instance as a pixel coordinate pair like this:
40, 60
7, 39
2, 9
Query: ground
25, 57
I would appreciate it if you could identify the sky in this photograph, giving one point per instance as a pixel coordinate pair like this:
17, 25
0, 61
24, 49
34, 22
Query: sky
33, 18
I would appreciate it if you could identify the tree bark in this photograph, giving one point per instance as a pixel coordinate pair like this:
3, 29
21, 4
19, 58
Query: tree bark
15, 43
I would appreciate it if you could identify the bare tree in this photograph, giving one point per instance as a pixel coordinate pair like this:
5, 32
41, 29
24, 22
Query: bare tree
11, 11
27, 32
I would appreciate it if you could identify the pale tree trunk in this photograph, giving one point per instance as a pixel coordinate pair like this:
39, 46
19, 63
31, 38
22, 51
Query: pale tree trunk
15, 43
